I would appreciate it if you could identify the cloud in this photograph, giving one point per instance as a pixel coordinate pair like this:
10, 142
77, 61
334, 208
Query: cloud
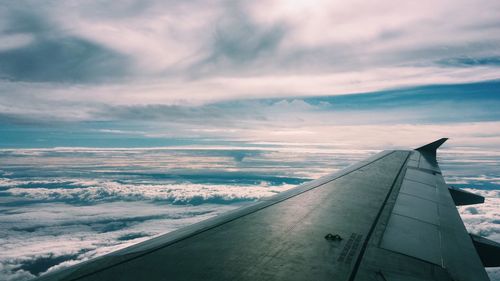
239, 43
249, 118
483, 219
60, 60
175, 52
39, 52
175, 193
10, 272
470, 62
47, 236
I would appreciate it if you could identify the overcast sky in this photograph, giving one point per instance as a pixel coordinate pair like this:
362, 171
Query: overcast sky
192, 66
177, 52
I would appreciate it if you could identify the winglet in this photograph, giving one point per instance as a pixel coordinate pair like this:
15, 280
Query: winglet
432, 147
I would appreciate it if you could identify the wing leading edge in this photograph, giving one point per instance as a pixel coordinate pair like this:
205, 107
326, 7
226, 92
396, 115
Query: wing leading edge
390, 217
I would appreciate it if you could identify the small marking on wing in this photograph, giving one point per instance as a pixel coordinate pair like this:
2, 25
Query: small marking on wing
350, 248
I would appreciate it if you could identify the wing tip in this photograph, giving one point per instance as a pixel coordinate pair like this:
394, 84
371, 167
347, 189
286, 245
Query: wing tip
433, 146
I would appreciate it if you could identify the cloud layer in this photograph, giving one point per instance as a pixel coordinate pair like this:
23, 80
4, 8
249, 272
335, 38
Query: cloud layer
174, 193
60, 206
171, 52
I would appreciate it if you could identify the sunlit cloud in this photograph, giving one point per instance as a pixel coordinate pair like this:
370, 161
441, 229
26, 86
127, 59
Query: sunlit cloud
157, 52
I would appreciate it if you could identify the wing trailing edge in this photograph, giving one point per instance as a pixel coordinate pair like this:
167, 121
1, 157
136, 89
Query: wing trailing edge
462, 197
488, 250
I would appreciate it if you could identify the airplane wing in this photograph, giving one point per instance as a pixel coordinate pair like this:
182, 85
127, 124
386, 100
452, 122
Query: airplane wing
390, 217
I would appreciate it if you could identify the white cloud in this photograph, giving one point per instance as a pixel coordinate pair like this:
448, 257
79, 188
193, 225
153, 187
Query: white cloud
52, 230
483, 219
9, 272
186, 193
191, 52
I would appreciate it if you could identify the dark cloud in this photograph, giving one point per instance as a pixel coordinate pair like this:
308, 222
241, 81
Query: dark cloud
217, 113
389, 34
472, 210
22, 21
238, 42
241, 41
114, 224
41, 264
53, 56
119, 9
152, 112
132, 236
18, 119
470, 61
63, 59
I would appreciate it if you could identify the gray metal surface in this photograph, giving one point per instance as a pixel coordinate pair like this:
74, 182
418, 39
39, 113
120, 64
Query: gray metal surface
413, 238
424, 224
488, 250
417, 208
420, 190
392, 220
462, 197
420, 176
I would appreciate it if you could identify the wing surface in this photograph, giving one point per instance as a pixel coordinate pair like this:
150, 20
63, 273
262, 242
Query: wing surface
390, 217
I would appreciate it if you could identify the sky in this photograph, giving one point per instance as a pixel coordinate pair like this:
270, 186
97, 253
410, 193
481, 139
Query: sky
164, 72
140, 117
